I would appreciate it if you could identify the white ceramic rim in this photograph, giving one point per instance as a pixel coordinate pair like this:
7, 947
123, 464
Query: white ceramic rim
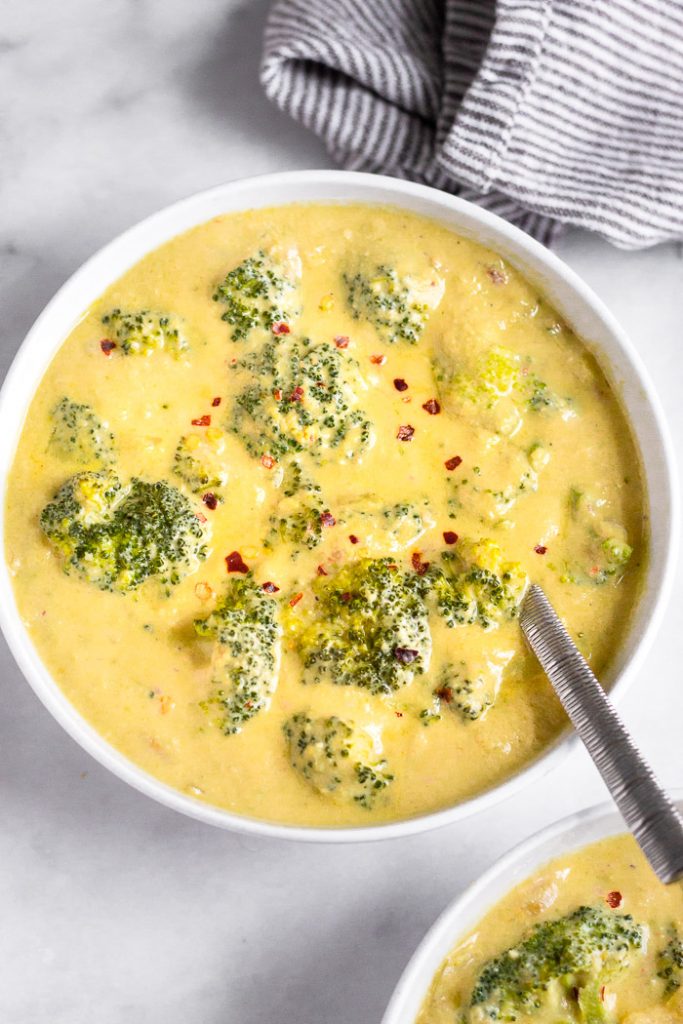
343, 187
580, 829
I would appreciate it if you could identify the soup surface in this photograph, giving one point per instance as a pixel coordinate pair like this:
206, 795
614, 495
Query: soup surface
278, 497
593, 937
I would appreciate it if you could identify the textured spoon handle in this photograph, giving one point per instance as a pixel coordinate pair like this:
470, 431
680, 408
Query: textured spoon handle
645, 807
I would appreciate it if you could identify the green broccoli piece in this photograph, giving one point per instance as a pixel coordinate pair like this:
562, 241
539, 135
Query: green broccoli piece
260, 292
118, 536
300, 398
515, 473
496, 386
302, 527
560, 965
601, 545
369, 628
469, 696
670, 963
541, 398
335, 758
476, 585
79, 436
246, 655
144, 332
384, 529
397, 307
497, 373
199, 461
299, 516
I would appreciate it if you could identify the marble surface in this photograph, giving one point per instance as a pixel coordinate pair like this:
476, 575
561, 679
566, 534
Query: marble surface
114, 908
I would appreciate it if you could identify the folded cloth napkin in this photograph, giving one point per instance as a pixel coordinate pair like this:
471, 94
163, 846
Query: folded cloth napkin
549, 112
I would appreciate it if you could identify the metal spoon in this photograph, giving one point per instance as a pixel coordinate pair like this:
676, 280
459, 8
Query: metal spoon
651, 816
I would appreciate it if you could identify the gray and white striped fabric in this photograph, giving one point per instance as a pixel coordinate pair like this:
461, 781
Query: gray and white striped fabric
549, 112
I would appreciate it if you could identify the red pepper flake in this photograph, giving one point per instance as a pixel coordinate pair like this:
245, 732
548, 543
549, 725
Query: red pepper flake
322, 571
216, 401
405, 655
353, 538
432, 407
613, 899
602, 993
399, 714
450, 536
201, 517
419, 566
378, 360
268, 461
445, 693
107, 346
210, 500
400, 384
453, 463
405, 433
295, 600
345, 597
270, 588
297, 394
497, 275
540, 549
235, 563
277, 395
341, 341
202, 421
327, 519
280, 327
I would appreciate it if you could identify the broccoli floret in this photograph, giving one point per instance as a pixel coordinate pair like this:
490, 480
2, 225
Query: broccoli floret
260, 292
670, 963
144, 332
302, 527
118, 536
337, 759
300, 398
200, 463
496, 386
246, 655
468, 695
601, 544
384, 529
397, 307
541, 398
299, 515
369, 628
496, 374
561, 964
476, 585
515, 473
79, 436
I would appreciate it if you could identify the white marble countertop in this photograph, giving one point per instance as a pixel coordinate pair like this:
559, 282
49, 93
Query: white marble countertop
113, 908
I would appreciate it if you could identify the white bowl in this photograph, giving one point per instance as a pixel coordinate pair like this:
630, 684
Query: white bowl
573, 299
463, 914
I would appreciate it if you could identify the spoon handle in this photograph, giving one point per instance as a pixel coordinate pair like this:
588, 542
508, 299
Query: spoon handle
650, 815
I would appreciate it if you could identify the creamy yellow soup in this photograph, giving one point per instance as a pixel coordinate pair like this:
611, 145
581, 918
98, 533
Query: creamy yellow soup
277, 500
602, 915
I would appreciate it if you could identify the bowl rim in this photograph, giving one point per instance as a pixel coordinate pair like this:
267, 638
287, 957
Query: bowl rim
377, 190
585, 827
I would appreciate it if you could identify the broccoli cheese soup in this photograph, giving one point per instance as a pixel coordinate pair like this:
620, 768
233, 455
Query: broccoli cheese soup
593, 937
279, 496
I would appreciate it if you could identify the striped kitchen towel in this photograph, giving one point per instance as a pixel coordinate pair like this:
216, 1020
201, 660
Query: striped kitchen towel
549, 112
